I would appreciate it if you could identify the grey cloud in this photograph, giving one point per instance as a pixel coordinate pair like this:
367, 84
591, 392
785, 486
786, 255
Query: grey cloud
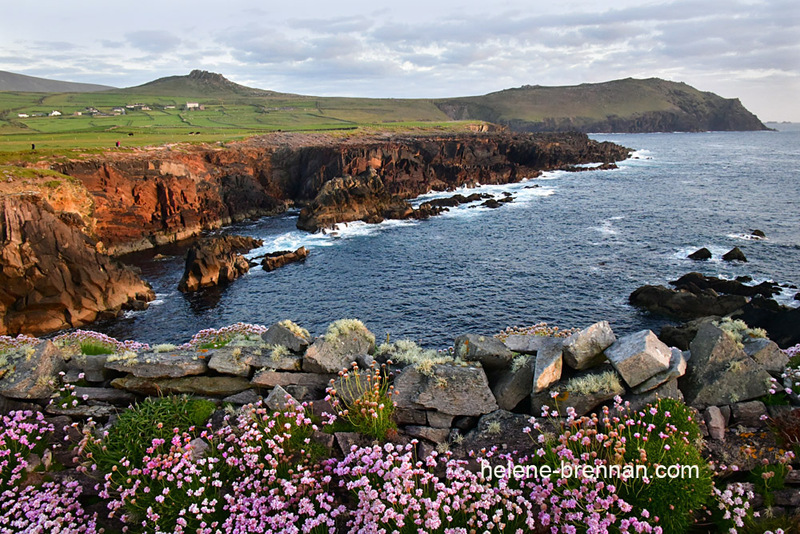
153, 41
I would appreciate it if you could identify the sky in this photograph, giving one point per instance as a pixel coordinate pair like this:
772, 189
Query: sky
746, 49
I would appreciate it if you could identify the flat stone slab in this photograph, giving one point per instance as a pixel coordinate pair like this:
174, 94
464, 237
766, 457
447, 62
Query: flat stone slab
451, 389
235, 361
526, 343
286, 362
270, 379
249, 396
213, 386
161, 364
331, 357
110, 395
490, 351
584, 349
638, 357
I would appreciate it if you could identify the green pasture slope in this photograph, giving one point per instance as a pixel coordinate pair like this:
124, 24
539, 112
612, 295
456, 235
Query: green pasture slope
225, 117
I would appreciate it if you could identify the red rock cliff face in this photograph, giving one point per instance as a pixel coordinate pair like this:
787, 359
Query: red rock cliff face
52, 276
152, 197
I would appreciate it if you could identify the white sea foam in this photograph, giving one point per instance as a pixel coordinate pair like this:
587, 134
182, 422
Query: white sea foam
606, 227
747, 237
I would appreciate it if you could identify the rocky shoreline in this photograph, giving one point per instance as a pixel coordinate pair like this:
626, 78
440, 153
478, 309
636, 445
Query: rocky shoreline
142, 199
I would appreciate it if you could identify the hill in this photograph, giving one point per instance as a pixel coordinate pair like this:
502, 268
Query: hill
159, 112
629, 105
198, 83
10, 81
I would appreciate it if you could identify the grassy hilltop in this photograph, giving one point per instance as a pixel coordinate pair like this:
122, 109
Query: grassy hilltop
158, 112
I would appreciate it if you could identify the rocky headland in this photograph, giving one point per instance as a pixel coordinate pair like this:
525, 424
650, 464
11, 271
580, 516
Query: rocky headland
121, 202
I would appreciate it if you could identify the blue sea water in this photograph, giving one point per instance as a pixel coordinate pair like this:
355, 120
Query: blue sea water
568, 252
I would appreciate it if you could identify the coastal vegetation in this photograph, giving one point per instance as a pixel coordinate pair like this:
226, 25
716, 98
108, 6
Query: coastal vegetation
354, 461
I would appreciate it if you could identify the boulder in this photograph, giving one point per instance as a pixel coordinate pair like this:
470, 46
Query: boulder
31, 372
216, 261
700, 254
548, 365
720, 373
490, 351
287, 334
275, 260
677, 368
451, 389
767, 353
758, 234
53, 277
160, 364
584, 349
211, 386
734, 254
700, 284
511, 385
332, 356
638, 357
410, 416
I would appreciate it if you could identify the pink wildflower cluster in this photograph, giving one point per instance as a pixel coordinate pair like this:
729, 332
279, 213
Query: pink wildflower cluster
792, 351
8, 343
364, 399
394, 491
734, 502
250, 476
224, 334
22, 433
52, 508
87, 337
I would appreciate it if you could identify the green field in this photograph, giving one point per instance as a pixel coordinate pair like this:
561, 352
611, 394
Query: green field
224, 118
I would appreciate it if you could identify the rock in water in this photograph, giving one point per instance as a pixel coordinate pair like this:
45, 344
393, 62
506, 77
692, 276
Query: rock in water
700, 254
275, 260
216, 261
53, 277
734, 254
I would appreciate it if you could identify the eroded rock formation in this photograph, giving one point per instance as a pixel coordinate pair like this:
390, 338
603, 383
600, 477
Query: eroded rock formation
216, 261
52, 276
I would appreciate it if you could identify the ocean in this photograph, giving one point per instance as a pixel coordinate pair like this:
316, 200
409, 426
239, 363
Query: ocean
568, 250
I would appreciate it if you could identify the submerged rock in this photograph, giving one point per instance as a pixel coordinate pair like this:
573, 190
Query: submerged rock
700, 254
734, 254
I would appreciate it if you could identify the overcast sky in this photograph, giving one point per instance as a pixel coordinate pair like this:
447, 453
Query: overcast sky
749, 49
